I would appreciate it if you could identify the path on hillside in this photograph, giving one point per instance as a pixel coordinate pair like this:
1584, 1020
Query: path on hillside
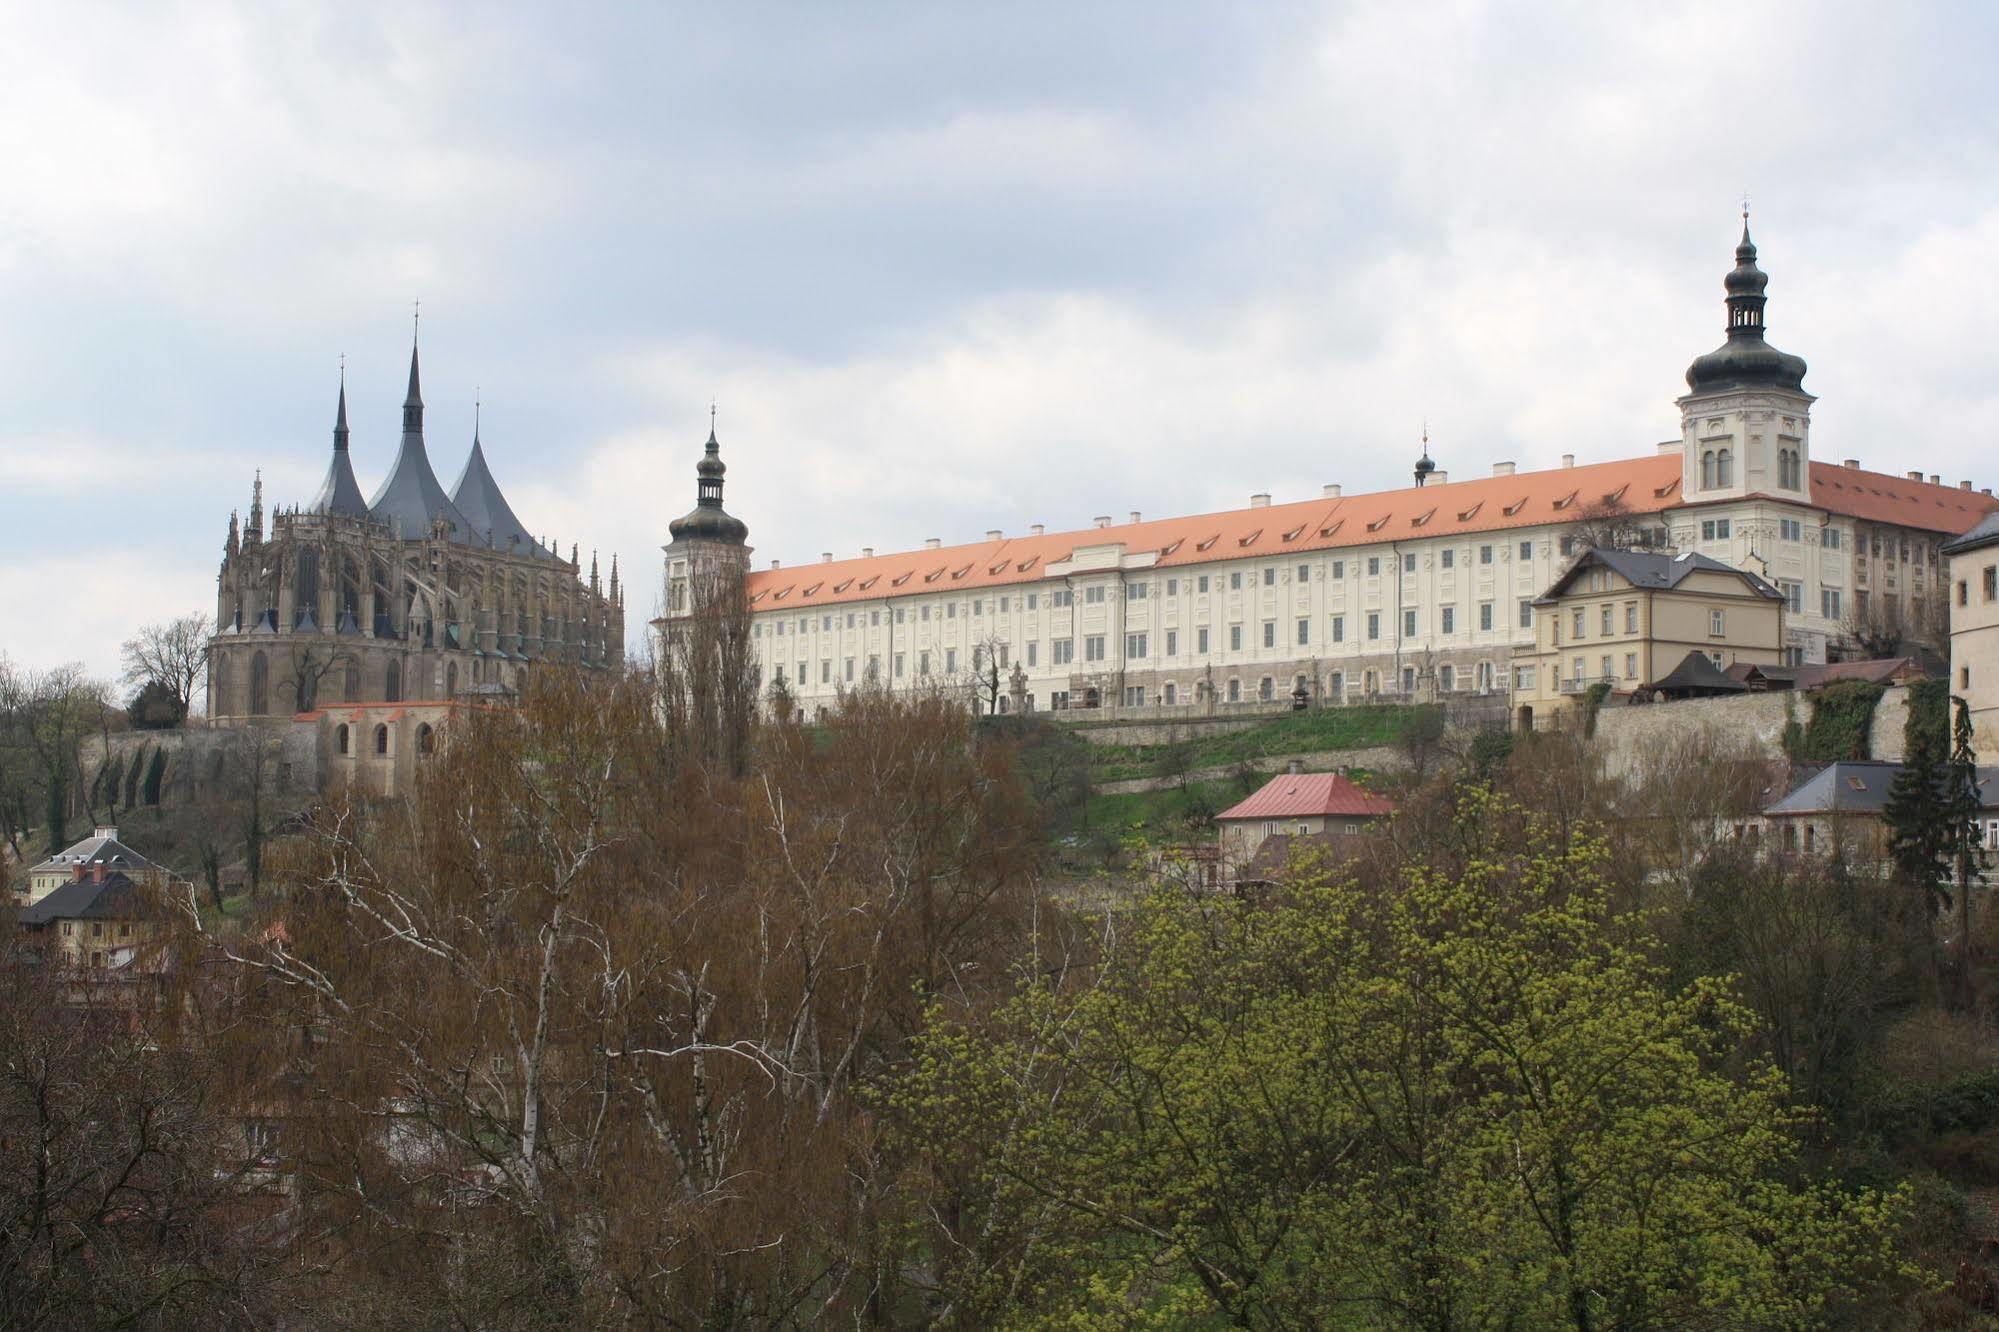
1376, 758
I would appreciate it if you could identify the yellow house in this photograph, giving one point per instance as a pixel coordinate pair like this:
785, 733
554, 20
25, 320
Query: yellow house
1627, 618
1974, 630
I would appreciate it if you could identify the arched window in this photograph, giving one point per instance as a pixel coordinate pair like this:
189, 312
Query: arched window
426, 740
392, 683
340, 738
218, 687
381, 739
260, 685
350, 684
1336, 687
1724, 468
1707, 470
451, 680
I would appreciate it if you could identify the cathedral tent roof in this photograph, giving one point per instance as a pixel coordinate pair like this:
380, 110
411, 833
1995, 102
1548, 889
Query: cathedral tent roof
491, 518
412, 497
340, 493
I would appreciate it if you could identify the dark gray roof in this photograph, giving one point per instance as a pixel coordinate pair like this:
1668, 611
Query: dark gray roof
1985, 532
1696, 672
93, 850
340, 493
1746, 360
81, 899
492, 519
412, 497
1647, 569
1862, 788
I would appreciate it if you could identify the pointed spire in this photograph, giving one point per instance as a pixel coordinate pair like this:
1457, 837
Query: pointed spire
340, 414
413, 400
229, 546
1425, 465
614, 573
254, 529
593, 571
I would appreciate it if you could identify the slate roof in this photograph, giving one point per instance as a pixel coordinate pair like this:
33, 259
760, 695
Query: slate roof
1696, 672
1861, 787
1639, 487
411, 497
491, 518
340, 493
1985, 532
82, 899
1295, 795
1652, 571
95, 850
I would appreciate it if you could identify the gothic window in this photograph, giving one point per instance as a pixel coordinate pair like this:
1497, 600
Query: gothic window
350, 685
451, 680
1724, 468
381, 739
260, 685
426, 740
308, 582
340, 738
1707, 470
220, 686
392, 683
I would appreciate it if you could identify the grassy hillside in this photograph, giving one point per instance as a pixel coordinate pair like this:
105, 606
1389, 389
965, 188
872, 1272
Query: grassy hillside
1294, 733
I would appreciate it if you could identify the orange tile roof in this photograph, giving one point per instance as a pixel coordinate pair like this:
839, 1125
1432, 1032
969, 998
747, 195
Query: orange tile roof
1299, 795
1641, 486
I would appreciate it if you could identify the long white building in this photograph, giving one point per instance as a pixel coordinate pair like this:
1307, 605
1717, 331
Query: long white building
1416, 592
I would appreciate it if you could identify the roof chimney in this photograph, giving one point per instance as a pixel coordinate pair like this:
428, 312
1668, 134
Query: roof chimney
1134, 516
992, 534
1935, 480
1667, 446
1295, 767
1964, 485
932, 543
825, 557
110, 830
1036, 529
774, 564
1568, 460
1986, 491
1852, 463
1260, 500
1439, 477
1330, 492
867, 552
1101, 520
1502, 469
1915, 476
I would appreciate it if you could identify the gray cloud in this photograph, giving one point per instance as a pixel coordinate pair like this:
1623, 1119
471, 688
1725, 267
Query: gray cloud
949, 268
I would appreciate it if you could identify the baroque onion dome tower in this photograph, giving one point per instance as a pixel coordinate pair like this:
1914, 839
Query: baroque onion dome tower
707, 542
1745, 420
417, 595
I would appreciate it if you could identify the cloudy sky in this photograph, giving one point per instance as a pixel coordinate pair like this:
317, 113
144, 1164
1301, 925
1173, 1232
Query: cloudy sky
943, 267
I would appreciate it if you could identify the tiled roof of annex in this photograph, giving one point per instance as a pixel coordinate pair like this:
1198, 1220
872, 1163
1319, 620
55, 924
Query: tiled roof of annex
1636, 487
1298, 795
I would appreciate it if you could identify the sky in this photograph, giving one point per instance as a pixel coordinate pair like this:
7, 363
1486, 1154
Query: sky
942, 268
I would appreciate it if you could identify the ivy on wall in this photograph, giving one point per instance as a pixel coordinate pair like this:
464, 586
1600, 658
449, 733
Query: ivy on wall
1842, 713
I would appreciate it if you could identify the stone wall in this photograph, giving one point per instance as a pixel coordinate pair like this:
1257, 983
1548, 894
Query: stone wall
173, 769
1627, 733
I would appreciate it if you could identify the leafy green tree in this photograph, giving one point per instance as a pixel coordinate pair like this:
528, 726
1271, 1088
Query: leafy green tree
1466, 1098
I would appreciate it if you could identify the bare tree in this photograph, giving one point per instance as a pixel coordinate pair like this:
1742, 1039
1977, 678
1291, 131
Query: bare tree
707, 676
1885, 625
172, 654
309, 667
44, 717
986, 677
1609, 524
